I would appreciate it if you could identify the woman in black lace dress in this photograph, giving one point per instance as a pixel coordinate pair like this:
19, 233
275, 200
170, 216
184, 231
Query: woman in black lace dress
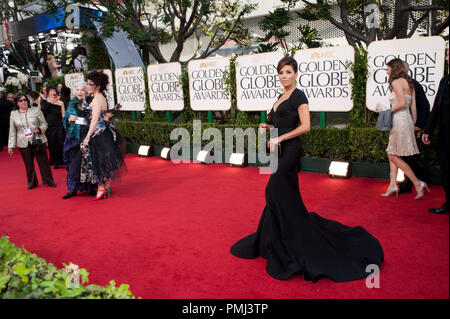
103, 145
292, 239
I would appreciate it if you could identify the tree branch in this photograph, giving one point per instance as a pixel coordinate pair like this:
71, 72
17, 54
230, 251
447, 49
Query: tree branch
426, 8
440, 28
400, 20
167, 11
416, 24
345, 24
198, 18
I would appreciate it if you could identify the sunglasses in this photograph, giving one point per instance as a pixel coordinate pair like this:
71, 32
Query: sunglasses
21, 100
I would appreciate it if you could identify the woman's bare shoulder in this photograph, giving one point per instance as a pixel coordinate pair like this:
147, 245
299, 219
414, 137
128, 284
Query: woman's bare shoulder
99, 100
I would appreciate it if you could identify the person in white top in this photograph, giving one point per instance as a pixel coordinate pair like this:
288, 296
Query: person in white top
53, 66
80, 63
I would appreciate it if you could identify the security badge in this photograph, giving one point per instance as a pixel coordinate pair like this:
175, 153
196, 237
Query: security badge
81, 121
28, 133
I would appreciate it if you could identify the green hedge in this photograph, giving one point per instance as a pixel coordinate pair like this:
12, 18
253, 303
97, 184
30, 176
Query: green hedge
24, 275
350, 144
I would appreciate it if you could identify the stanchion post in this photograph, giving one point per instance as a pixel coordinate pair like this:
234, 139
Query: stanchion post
169, 117
134, 116
323, 119
210, 117
263, 117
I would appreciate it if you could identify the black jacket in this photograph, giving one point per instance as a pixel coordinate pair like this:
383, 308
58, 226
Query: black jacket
422, 105
6, 107
439, 116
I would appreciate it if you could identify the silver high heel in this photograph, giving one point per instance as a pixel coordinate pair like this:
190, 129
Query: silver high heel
390, 191
421, 192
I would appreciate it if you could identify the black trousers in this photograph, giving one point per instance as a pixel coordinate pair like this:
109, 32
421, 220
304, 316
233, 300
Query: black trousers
44, 166
55, 136
4, 134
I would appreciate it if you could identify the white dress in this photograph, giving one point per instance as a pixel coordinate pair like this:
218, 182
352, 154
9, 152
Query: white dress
402, 138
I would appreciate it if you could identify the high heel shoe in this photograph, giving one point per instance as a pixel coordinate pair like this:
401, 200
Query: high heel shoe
390, 191
422, 187
103, 195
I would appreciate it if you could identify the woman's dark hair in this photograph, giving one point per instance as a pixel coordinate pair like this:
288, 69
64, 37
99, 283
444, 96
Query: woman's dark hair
287, 61
65, 91
99, 78
49, 88
18, 97
398, 71
65, 96
34, 95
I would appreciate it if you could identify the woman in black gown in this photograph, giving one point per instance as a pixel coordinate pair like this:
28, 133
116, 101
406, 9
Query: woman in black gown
292, 239
53, 109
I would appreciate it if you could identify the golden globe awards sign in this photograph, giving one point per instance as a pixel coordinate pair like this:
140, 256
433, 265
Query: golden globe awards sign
425, 57
71, 80
207, 89
324, 77
165, 90
109, 89
130, 88
257, 82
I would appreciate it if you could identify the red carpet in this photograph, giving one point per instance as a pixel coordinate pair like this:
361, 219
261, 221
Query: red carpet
168, 228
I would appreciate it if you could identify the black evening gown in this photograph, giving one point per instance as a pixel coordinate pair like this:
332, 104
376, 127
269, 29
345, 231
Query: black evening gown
294, 240
55, 132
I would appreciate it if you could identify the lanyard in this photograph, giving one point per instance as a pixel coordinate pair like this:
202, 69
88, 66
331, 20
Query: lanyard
26, 119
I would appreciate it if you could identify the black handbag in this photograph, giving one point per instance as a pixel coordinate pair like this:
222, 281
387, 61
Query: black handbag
37, 145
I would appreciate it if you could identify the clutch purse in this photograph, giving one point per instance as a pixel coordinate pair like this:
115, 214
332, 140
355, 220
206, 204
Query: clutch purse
279, 149
384, 122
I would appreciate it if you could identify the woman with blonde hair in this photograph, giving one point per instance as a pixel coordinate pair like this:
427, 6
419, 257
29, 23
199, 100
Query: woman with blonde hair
43, 93
402, 139
52, 65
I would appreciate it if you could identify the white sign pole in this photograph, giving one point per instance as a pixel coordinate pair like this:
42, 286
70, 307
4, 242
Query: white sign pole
109, 89
207, 89
71, 80
165, 90
130, 88
257, 82
324, 77
424, 55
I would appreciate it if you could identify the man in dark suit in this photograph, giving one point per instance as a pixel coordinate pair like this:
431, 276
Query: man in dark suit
439, 117
5, 110
423, 109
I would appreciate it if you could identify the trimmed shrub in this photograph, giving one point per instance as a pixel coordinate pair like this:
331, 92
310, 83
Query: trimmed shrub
350, 144
24, 275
